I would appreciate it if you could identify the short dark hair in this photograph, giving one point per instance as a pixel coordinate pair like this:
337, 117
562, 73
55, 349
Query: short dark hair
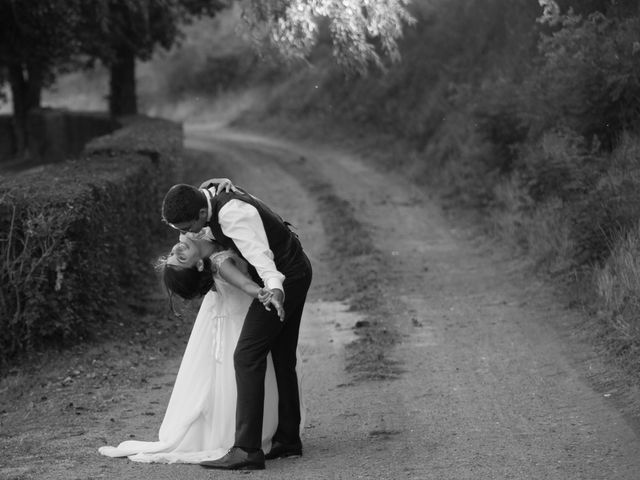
188, 282
182, 203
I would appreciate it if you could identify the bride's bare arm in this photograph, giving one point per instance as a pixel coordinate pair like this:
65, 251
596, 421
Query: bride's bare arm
235, 277
229, 272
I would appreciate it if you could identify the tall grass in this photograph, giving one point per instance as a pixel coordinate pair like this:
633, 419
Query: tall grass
618, 279
618, 284
542, 232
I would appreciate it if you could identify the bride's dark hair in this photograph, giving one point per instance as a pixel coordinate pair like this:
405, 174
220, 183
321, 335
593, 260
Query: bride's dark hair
188, 282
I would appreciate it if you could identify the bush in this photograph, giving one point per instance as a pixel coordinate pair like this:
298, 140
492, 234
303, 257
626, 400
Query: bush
566, 203
461, 163
588, 78
499, 121
76, 236
559, 164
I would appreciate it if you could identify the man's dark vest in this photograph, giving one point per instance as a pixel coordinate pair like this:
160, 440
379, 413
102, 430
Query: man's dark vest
286, 248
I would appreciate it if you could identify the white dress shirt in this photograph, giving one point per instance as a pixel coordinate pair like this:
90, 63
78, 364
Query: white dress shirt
241, 222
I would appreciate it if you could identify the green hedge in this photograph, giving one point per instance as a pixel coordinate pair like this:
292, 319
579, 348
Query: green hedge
76, 236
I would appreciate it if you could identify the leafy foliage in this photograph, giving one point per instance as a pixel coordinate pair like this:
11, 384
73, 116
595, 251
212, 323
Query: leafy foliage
564, 171
588, 76
141, 26
363, 32
41, 33
33, 245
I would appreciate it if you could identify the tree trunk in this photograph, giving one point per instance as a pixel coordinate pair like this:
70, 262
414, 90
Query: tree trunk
122, 84
35, 80
19, 97
26, 91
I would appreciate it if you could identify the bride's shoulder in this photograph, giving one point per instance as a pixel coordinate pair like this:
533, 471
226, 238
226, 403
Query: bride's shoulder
219, 257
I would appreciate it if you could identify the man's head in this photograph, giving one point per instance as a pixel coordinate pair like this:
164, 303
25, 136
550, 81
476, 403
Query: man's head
185, 208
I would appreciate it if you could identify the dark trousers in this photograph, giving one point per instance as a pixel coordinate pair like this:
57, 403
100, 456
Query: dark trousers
262, 332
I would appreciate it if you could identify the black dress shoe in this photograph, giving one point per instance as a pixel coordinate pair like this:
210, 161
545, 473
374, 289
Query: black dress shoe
237, 459
282, 450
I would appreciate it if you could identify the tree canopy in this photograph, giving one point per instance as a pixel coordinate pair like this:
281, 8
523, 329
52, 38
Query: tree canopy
40, 39
36, 39
362, 32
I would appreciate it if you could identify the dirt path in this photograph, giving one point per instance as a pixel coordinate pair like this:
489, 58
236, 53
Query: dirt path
492, 385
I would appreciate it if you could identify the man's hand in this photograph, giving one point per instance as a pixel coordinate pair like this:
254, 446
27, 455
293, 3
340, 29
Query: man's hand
272, 297
277, 300
224, 184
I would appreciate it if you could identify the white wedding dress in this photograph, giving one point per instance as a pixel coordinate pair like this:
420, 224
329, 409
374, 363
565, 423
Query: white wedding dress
199, 423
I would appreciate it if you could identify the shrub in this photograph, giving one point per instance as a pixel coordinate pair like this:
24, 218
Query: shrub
559, 164
499, 121
76, 236
566, 203
461, 162
588, 77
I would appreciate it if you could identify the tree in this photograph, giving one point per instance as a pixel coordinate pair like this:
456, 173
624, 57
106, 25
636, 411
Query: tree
35, 38
118, 32
587, 77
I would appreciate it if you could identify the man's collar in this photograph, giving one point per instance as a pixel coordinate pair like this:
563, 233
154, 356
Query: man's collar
209, 195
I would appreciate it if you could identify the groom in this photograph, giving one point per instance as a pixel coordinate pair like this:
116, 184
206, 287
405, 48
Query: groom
245, 224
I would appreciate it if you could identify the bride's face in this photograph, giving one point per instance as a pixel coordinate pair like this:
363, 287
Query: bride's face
185, 253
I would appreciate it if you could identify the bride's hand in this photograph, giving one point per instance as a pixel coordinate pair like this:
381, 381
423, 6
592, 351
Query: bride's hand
264, 296
224, 184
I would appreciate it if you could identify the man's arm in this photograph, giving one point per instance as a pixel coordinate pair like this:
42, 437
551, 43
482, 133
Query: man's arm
241, 222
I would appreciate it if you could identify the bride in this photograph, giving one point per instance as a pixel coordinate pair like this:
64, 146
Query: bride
199, 423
